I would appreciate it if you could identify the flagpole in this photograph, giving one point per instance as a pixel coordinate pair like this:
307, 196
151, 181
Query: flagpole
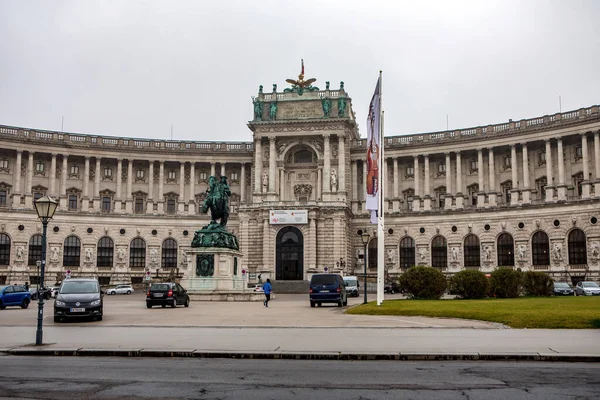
381, 193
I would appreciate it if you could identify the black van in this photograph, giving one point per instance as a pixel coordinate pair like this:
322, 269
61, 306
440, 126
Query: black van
327, 288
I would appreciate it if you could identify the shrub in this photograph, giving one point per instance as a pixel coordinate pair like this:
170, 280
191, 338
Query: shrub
537, 284
469, 284
506, 283
423, 283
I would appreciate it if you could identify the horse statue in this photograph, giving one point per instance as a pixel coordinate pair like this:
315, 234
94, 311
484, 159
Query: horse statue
217, 200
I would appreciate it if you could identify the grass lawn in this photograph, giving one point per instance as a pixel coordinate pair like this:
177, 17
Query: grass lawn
528, 312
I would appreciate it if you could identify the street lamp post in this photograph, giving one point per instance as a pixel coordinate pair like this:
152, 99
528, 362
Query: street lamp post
45, 208
365, 239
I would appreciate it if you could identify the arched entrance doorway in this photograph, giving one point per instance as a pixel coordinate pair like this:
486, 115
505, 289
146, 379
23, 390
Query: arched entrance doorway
290, 254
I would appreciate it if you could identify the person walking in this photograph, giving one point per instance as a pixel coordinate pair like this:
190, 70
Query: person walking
267, 290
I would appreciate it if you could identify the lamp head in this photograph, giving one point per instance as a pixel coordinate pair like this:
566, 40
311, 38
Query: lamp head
365, 237
45, 207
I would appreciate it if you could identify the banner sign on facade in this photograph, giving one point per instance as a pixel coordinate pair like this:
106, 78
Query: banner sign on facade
373, 152
277, 217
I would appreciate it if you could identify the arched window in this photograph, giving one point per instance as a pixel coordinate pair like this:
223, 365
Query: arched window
72, 252
439, 252
506, 251
472, 250
372, 253
407, 253
137, 253
35, 250
106, 250
540, 249
169, 254
577, 248
4, 249
303, 156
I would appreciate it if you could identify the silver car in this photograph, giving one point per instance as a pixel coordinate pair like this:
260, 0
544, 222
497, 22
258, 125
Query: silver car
120, 289
587, 288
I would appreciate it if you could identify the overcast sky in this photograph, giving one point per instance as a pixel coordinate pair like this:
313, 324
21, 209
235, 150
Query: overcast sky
134, 68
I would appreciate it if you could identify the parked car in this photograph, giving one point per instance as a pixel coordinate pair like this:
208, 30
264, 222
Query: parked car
327, 288
14, 295
563, 289
587, 288
34, 292
120, 289
167, 293
79, 297
391, 287
352, 285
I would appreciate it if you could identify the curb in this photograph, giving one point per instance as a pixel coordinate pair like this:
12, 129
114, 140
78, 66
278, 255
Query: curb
292, 355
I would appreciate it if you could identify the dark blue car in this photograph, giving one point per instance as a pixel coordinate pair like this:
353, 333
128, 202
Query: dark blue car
14, 295
327, 288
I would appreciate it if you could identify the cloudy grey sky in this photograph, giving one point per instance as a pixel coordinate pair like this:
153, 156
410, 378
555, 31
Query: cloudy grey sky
134, 68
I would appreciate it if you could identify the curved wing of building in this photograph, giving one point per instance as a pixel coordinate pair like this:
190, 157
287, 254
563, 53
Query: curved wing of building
521, 194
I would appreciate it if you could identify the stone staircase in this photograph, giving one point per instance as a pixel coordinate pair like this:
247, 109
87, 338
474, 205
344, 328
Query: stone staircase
290, 286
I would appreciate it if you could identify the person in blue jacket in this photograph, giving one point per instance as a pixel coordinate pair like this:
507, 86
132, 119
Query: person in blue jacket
267, 289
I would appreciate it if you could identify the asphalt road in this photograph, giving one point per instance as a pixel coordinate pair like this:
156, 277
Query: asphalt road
25, 377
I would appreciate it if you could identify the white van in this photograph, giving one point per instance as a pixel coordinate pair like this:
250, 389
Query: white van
352, 285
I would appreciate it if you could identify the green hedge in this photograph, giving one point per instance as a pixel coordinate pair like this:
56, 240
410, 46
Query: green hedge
506, 283
537, 284
423, 283
469, 284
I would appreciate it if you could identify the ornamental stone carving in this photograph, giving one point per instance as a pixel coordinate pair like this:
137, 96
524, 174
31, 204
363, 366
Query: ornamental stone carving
303, 189
557, 252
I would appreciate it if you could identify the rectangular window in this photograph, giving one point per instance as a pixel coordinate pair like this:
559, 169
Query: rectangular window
107, 171
234, 176
474, 165
4, 164
106, 204
171, 206
74, 170
3, 197
507, 162
442, 169
139, 205
72, 202
410, 172
37, 195
203, 176
578, 152
172, 175
39, 166
542, 158
139, 174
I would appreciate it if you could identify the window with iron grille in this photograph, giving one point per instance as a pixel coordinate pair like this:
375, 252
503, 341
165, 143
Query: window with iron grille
407, 252
137, 253
540, 248
472, 251
139, 205
35, 249
72, 252
4, 249
169, 254
106, 250
104, 280
577, 247
106, 204
171, 206
72, 202
506, 188
439, 252
3, 197
506, 250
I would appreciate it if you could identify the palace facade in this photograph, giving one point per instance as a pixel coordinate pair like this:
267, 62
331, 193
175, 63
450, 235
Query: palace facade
520, 194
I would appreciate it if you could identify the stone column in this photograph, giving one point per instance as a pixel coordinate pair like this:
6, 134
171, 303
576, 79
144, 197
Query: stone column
426, 186
129, 195
312, 242
63, 182
354, 167
17, 175
192, 194
585, 185
161, 187
597, 163
341, 165
326, 168
86, 183
320, 184
459, 195
243, 183
448, 198
396, 194
119, 179
181, 198
417, 197
526, 188
550, 181
492, 192
562, 188
223, 169
480, 176
272, 165
282, 185
267, 257
149, 199
97, 184
514, 197
213, 169
364, 185
53, 176
257, 166
29, 182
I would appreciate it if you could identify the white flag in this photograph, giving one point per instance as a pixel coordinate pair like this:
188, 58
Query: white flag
373, 153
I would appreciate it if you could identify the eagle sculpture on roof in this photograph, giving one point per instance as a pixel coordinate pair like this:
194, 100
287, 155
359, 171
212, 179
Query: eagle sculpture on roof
300, 85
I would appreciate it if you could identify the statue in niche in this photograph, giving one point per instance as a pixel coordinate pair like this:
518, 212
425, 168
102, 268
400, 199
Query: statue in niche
422, 253
487, 253
521, 252
88, 254
273, 110
153, 256
595, 250
20, 251
121, 254
455, 254
54, 252
342, 107
265, 180
184, 257
326, 104
334, 180
557, 251
258, 109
